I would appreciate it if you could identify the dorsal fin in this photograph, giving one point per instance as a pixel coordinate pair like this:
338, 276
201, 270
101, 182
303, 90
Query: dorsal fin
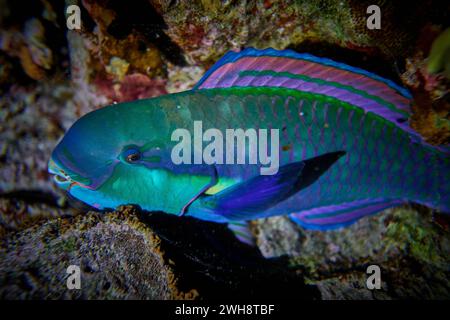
305, 72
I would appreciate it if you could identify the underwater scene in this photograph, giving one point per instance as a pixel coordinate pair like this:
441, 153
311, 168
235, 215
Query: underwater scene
222, 149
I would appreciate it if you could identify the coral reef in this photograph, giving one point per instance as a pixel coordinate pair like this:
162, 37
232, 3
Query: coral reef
32, 121
30, 47
131, 254
408, 245
34, 263
123, 255
50, 76
202, 29
426, 78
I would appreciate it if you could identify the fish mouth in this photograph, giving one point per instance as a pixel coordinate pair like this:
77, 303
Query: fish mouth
64, 179
59, 176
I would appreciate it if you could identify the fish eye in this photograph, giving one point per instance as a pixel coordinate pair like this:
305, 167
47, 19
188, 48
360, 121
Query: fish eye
132, 155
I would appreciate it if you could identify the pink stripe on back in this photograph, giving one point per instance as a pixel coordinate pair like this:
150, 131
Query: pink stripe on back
227, 74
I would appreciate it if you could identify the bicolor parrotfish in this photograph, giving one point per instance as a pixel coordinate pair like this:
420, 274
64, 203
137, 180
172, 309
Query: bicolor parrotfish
346, 149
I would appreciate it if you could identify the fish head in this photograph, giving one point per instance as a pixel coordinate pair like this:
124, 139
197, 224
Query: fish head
114, 156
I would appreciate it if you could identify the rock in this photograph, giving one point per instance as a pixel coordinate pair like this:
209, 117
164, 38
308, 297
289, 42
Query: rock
429, 86
33, 119
205, 30
183, 78
409, 246
109, 40
21, 209
130, 254
350, 286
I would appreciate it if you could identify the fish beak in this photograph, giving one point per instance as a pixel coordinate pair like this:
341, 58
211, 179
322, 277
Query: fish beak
52, 167
62, 180
67, 180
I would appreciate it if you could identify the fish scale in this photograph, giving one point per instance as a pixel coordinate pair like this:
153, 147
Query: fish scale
351, 171
346, 148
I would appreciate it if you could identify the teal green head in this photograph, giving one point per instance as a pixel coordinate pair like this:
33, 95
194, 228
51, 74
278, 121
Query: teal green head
114, 155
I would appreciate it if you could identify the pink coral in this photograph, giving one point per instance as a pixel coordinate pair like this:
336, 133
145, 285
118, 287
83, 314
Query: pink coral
134, 86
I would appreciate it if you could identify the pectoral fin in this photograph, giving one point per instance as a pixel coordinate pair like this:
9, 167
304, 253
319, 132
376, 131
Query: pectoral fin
243, 200
242, 232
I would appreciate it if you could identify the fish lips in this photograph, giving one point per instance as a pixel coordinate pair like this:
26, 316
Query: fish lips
59, 177
67, 178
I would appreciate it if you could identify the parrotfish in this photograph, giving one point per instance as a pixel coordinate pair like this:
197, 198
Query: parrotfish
346, 149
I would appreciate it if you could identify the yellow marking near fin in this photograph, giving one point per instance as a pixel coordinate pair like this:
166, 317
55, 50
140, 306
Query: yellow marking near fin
221, 185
